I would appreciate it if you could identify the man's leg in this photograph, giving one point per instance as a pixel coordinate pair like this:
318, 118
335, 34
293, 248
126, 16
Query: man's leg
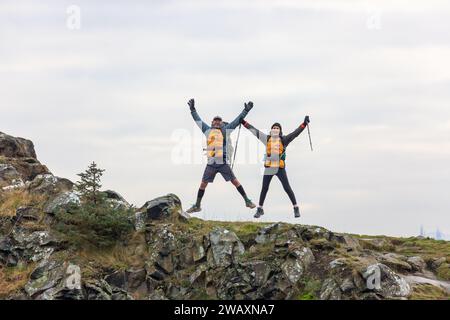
208, 176
241, 190
201, 192
228, 175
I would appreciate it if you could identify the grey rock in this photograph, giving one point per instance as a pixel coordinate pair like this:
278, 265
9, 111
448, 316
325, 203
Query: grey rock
52, 280
62, 202
116, 200
161, 208
385, 282
15, 147
259, 272
330, 290
135, 278
27, 246
49, 185
437, 262
225, 247
417, 263
198, 276
396, 262
267, 233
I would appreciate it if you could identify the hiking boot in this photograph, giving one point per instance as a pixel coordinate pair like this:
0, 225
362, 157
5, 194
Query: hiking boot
249, 204
296, 212
259, 212
194, 208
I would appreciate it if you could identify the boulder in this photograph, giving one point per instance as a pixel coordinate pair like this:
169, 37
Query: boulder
129, 280
349, 242
298, 261
225, 248
258, 271
26, 246
14, 147
396, 262
53, 280
267, 233
63, 201
116, 200
117, 279
49, 184
383, 281
417, 263
135, 278
165, 207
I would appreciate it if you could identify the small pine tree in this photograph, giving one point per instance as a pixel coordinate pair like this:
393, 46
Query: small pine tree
89, 185
95, 222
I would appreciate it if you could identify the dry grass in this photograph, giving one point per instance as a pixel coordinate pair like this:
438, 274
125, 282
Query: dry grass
10, 201
428, 292
13, 279
120, 257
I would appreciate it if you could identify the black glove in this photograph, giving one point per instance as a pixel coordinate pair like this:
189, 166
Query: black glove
248, 106
306, 120
191, 104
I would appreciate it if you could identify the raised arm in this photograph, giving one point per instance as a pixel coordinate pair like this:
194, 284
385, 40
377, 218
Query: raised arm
294, 134
201, 124
233, 124
261, 136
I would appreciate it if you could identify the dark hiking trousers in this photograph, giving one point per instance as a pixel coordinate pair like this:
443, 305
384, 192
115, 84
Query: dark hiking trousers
281, 174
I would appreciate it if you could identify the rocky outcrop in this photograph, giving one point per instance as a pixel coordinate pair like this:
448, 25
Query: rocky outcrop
18, 162
161, 208
13, 147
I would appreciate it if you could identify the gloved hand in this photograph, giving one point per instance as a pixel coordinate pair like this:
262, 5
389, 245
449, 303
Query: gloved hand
306, 121
191, 104
248, 106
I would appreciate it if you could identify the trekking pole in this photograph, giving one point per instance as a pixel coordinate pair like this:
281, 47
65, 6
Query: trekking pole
235, 148
309, 134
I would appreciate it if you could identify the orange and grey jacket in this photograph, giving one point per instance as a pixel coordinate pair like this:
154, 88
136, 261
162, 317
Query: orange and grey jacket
216, 138
275, 155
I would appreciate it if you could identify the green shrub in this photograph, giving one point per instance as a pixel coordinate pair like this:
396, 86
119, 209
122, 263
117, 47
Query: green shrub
95, 222
97, 225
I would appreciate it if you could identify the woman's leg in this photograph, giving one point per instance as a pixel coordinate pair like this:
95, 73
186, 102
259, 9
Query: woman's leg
281, 174
264, 189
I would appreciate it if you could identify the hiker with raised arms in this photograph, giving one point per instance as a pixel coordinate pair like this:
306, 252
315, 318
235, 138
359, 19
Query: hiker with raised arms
217, 136
275, 160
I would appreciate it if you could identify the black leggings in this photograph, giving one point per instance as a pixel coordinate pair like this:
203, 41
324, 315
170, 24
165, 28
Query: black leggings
281, 174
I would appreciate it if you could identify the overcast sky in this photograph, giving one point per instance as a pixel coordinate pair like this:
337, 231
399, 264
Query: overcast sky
374, 76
